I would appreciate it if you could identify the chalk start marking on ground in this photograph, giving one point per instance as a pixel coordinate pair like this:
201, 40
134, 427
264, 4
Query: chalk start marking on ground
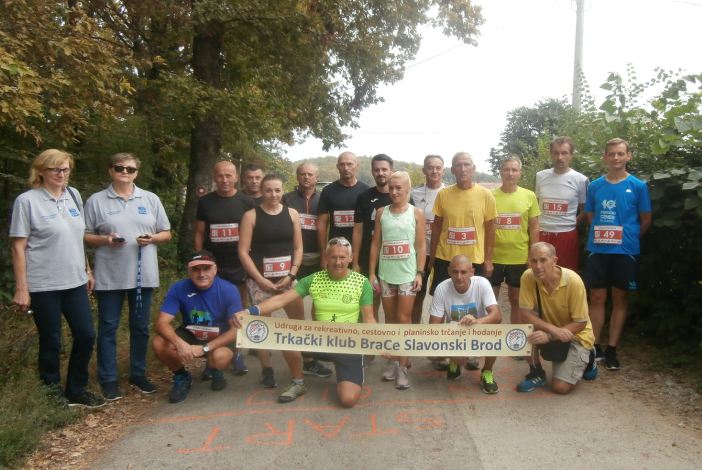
206, 447
271, 438
330, 431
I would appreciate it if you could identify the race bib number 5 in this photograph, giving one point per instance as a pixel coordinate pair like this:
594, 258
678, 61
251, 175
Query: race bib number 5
343, 219
277, 267
396, 249
554, 207
608, 234
461, 236
203, 333
508, 221
221, 233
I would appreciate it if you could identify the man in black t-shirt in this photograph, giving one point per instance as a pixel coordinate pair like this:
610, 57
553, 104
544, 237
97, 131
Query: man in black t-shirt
337, 203
217, 231
305, 199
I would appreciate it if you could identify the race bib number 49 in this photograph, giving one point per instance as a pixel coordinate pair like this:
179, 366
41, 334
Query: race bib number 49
508, 221
461, 236
608, 234
221, 233
396, 249
343, 219
308, 221
554, 207
277, 267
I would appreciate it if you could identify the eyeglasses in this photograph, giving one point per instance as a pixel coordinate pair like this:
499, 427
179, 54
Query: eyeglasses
339, 241
121, 169
58, 171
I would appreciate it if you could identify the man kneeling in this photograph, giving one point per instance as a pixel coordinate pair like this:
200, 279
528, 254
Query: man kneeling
339, 295
553, 299
207, 305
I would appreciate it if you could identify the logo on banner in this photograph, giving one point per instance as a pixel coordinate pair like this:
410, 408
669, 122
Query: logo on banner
515, 339
257, 331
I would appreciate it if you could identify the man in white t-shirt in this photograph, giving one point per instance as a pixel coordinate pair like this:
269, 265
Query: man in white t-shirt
468, 300
561, 193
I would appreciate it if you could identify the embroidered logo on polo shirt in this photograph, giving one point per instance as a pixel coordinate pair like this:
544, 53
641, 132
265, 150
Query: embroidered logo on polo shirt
74, 212
142, 210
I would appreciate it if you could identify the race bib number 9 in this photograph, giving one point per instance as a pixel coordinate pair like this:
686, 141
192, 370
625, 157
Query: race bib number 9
277, 267
508, 221
343, 219
203, 333
554, 207
221, 233
308, 221
396, 249
608, 234
461, 236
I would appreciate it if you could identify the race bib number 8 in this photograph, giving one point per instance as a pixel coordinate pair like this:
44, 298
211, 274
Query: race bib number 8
396, 249
554, 207
608, 234
508, 221
308, 221
461, 236
277, 267
343, 219
221, 233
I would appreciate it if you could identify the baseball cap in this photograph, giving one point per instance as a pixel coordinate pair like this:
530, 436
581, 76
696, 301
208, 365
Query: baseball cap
202, 257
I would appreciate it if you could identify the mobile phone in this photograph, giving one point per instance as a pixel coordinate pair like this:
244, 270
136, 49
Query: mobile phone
145, 236
117, 239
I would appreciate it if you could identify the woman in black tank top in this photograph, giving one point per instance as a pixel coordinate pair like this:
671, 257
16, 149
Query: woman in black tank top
270, 250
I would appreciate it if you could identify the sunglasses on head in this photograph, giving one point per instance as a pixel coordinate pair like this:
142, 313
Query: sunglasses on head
122, 169
339, 241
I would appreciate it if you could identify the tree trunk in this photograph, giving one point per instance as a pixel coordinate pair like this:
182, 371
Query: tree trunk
206, 135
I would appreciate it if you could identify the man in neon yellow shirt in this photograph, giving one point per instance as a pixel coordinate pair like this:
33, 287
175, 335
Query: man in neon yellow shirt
464, 223
339, 295
516, 228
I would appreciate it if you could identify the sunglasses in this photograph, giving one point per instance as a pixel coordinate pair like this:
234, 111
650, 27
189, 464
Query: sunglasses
58, 171
339, 241
121, 169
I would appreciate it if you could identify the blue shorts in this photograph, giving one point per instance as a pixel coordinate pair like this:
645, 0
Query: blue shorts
611, 270
349, 367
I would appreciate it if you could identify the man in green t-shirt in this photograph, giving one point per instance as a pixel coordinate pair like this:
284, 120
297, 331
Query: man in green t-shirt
347, 297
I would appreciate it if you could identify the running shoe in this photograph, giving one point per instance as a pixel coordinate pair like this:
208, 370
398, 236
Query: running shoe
402, 380
239, 365
292, 392
473, 363
532, 380
143, 384
453, 371
487, 380
316, 368
218, 381
181, 387
267, 378
111, 391
86, 399
591, 369
390, 372
610, 359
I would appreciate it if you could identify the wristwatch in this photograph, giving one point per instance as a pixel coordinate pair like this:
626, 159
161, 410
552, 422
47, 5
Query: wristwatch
206, 348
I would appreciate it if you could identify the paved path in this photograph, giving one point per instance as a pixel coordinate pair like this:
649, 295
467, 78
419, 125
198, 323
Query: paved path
437, 423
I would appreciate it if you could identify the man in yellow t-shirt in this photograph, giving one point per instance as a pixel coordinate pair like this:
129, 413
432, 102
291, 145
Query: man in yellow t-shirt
516, 228
562, 301
464, 223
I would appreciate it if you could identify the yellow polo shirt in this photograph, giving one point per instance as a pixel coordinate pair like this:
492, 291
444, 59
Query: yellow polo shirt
566, 304
464, 213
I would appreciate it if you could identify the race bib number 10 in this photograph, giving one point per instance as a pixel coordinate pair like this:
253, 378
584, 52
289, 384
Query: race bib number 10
277, 267
221, 233
461, 236
608, 234
396, 249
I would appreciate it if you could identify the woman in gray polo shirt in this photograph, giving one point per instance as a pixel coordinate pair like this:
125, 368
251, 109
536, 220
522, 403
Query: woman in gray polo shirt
124, 223
51, 274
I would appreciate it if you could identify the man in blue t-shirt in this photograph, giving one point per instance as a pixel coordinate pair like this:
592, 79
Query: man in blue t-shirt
207, 305
619, 210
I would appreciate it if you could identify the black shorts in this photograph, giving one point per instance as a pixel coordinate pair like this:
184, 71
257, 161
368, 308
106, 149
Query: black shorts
236, 276
441, 272
611, 270
349, 367
188, 336
509, 273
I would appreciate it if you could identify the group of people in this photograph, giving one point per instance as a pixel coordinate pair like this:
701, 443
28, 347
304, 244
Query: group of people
349, 247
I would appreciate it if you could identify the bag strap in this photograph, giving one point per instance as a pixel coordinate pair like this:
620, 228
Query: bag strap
75, 199
538, 299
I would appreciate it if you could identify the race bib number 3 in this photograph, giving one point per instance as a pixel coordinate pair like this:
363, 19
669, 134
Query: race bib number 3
221, 233
508, 221
277, 267
308, 221
343, 219
554, 207
461, 236
608, 234
396, 249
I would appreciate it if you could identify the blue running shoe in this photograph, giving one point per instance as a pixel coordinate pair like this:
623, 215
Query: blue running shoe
239, 366
591, 369
181, 387
532, 380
